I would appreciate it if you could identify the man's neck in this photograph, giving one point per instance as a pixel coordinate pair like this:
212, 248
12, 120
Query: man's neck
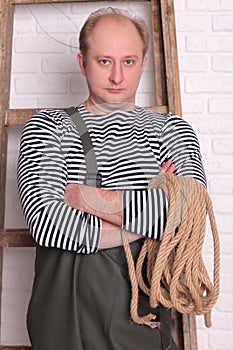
106, 108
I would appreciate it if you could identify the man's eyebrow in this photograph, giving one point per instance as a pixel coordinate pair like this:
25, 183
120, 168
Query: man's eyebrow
132, 56
124, 57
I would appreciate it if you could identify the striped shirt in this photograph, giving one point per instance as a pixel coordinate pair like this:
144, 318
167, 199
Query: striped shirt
130, 148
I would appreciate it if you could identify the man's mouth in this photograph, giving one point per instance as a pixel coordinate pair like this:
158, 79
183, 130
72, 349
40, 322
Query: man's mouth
115, 90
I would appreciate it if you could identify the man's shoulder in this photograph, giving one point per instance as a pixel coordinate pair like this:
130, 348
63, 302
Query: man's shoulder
50, 118
160, 119
50, 114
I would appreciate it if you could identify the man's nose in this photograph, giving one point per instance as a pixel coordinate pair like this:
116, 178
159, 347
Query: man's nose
116, 75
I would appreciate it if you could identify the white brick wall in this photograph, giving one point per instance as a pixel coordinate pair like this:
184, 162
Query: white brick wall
206, 65
45, 73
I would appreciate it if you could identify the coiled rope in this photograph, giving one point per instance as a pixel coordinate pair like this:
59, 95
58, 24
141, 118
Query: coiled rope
176, 275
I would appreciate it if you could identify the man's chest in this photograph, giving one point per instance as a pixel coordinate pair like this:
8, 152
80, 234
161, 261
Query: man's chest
129, 158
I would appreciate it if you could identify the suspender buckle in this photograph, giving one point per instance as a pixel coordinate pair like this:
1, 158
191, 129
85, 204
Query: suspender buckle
93, 180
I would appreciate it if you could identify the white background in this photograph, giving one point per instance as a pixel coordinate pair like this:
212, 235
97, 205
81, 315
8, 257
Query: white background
45, 74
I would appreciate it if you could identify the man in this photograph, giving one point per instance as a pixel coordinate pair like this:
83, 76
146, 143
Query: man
81, 301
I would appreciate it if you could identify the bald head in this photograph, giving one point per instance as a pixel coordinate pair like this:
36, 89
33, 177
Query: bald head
110, 15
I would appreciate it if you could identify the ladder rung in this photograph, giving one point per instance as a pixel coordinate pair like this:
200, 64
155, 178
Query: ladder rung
20, 2
15, 347
16, 238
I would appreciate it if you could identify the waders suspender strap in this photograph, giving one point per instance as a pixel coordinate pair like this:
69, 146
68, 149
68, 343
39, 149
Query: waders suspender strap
93, 177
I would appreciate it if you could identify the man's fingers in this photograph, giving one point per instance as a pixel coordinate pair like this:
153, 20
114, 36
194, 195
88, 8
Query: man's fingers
171, 169
168, 167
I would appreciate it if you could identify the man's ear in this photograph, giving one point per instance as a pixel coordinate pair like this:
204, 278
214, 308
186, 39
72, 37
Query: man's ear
81, 63
144, 62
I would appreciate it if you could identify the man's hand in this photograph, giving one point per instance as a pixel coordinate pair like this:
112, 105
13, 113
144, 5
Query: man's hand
106, 204
168, 168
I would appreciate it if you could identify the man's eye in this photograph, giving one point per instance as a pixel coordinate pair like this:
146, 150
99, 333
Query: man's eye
104, 62
128, 62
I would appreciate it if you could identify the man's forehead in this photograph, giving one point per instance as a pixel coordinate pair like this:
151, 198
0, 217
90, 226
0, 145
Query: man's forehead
109, 34
111, 18
112, 21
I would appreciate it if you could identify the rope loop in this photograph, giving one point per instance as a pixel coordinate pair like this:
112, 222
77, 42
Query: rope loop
176, 274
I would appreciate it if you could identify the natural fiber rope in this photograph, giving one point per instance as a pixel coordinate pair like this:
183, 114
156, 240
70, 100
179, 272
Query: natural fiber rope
176, 272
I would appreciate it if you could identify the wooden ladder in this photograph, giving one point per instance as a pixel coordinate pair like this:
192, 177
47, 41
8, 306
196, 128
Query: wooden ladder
167, 99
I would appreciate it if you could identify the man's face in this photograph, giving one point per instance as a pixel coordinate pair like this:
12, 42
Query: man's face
114, 62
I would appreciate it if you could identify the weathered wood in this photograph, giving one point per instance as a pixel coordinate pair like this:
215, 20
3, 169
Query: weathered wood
189, 332
22, 2
177, 330
159, 65
185, 325
16, 238
6, 31
171, 56
21, 116
15, 347
1, 275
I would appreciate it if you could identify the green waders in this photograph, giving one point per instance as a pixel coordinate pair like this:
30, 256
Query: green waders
81, 302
